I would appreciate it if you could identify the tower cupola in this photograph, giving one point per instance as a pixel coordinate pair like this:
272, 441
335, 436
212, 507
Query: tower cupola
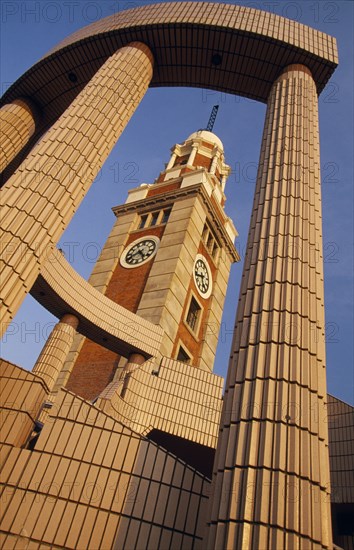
202, 150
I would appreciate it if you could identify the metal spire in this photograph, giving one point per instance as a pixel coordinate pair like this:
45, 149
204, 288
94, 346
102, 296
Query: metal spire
212, 118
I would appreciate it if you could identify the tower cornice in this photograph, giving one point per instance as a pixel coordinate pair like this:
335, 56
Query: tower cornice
217, 214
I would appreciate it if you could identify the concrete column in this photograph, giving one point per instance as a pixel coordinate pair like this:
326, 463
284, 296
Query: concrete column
46, 190
17, 123
271, 472
55, 351
135, 360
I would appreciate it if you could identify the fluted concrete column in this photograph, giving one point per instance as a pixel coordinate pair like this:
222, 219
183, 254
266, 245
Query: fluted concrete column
44, 193
55, 351
17, 125
271, 473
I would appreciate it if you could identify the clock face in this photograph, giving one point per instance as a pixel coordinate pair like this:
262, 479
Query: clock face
140, 251
202, 276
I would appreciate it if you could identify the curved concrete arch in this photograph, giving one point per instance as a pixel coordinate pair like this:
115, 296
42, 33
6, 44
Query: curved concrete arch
60, 289
220, 46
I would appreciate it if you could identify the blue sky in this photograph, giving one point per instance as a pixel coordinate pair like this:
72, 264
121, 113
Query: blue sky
167, 116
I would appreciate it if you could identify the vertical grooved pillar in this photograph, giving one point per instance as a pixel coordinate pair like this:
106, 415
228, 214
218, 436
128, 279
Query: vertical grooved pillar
271, 471
17, 123
46, 190
55, 351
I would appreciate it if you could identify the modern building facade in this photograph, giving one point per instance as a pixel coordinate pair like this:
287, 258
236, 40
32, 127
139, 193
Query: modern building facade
120, 436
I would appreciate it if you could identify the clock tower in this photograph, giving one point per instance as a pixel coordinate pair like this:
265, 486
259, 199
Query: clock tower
167, 259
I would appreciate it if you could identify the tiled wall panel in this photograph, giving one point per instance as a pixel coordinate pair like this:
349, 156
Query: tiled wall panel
177, 399
92, 483
341, 459
21, 397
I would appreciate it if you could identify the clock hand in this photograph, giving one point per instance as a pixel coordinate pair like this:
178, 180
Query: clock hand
135, 255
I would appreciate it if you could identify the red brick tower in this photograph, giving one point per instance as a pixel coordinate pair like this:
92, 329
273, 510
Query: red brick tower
168, 259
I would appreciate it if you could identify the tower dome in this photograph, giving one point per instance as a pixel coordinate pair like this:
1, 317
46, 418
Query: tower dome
207, 136
201, 150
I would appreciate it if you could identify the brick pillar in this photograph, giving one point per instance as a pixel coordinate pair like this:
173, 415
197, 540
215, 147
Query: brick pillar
46, 190
271, 472
17, 123
55, 350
